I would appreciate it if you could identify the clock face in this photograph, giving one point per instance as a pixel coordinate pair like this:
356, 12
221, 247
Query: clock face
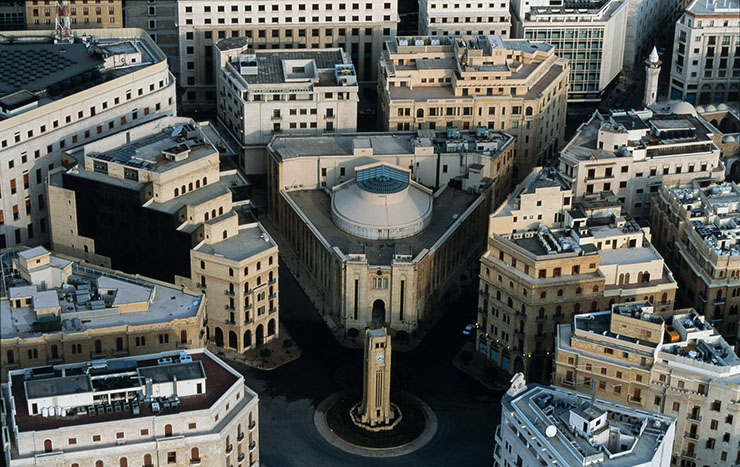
380, 357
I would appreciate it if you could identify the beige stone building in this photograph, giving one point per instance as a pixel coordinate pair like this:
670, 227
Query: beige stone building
55, 97
631, 154
550, 258
551, 426
178, 408
695, 227
190, 218
41, 14
57, 310
464, 18
384, 224
188, 29
512, 85
672, 362
265, 92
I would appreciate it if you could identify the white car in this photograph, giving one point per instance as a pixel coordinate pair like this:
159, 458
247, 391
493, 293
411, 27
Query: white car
468, 329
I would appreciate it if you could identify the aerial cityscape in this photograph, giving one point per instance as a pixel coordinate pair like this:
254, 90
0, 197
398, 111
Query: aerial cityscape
453, 233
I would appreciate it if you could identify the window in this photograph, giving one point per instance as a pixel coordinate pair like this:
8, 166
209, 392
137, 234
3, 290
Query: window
172, 457
96, 438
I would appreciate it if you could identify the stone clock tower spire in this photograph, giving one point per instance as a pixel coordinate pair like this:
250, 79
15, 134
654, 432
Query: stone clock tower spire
375, 408
652, 72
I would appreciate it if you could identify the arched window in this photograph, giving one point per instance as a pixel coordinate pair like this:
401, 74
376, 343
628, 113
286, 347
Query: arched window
560, 293
47, 446
220, 210
247, 338
213, 213
510, 302
627, 278
183, 190
11, 356
177, 192
197, 184
205, 181
646, 276
202, 264
168, 430
206, 216
596, 288
576, 308
190, 186
558, 310
98, 463
54, 351
543, 294
270, 276
524, 309
420, 113
528, 110
664, 298
639, 277
123, 462
148, 460
271, 327
593, 306
578, 291
226, 234
621, 279
194, 455
184, 336
259, 265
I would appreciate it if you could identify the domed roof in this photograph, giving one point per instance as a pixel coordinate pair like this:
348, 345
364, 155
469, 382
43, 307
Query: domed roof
675, 106
729, 139
699, 108
382, 203
710, 108
722, 106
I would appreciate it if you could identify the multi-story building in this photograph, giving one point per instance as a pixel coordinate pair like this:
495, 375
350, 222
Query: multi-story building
41, 14
57, 97
548, 259
673, 362
384, 224
632, 154
461, 18
263, 92
706, 58
513, 85
695, 228
55, 310
13, 15
179, 408
173, 220
646, 21
360, 28
591, 39
551, 426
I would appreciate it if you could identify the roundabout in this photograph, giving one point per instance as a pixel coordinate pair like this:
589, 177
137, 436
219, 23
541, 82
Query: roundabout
416, 426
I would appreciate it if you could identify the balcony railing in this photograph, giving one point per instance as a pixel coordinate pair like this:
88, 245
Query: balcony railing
719, 301
252, 445
248, 291
252, 424
521, 316
182, 345
568, 383
201, 286
241, 458
636, 399
228, 308
691, 436
688, 455
272, 281
483, 294
693, 418
229, 448
229, 293
240, 437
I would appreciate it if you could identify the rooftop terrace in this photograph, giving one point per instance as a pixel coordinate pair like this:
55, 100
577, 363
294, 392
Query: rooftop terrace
615, 435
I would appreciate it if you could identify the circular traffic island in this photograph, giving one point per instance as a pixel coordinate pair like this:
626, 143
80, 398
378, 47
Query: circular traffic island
412, 427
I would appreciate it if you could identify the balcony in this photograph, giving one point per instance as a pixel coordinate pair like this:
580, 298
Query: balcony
703, 298
240, 438
229, 293
272, 282
229, 321
688, 455
691, 436
521, 316
568, 383
248, 292
272, 297
541, 319
273, 310
636, 400
252, 445
184, 345
228, 308
330, 117
229, 449
201, 286
241, 458
719, 301
483, 294
252, 424
694, 417
519, 334
248, 307
558, 317
276, 118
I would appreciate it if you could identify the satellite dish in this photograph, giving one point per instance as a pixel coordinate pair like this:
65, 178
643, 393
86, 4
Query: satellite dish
551, 431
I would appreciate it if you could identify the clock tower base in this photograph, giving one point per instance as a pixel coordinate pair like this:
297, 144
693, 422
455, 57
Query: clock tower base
375, 409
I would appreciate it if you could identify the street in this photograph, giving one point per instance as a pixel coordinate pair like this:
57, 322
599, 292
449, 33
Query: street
467, 412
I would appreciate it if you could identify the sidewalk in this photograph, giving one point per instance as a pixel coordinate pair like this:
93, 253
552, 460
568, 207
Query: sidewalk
281, 351
481, 369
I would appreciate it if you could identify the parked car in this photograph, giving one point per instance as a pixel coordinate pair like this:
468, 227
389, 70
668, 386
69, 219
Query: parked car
468, 329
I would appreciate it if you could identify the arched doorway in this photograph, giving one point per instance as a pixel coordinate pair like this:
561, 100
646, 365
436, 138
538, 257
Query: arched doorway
378, 311
247, 338
48, 446
219, 337
233, 340
260, 334
271, 327
168, 430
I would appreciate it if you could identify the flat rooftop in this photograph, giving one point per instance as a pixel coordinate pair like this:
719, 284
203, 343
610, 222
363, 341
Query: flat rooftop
86, 304
251, 240
33, 63
270, 68
637, 434
218, 381
289, 147
315, 205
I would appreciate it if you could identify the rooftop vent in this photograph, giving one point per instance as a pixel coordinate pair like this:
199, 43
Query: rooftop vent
248, 65
345, 74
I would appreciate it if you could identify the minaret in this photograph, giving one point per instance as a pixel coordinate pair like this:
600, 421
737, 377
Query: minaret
652, 72
376, 389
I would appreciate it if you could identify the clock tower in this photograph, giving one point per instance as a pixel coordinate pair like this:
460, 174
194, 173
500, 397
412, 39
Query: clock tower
375, 408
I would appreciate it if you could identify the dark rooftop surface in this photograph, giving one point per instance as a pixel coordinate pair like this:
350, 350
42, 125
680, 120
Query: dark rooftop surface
316, 206
164, 373
218, 381
36, 66
270, 63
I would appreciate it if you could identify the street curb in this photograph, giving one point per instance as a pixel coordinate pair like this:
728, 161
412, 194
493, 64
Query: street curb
319, 420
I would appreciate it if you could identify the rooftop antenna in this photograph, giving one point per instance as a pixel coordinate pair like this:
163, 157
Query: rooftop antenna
62, 29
